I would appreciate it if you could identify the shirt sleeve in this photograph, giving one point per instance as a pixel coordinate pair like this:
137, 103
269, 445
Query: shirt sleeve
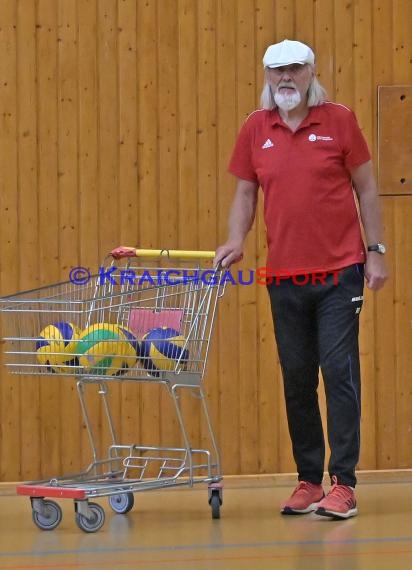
355, 147
241, 162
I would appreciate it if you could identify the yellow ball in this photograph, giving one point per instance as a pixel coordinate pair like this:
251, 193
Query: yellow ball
56, 347
107, 349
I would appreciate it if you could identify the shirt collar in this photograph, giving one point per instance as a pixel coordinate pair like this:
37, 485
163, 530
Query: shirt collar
312, 118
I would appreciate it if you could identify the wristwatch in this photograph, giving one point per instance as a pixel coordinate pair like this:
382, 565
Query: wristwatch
379, 247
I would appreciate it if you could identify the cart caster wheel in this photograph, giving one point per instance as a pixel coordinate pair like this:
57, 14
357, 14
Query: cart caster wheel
94, 523
122, 503
215, 503
51, 516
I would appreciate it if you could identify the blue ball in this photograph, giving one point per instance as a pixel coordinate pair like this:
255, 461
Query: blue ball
162, 348
56, 346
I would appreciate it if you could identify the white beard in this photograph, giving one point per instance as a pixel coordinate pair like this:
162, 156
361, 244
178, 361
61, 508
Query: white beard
287, 102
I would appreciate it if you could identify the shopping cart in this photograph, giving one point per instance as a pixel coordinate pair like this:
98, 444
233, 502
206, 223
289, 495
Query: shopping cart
127, 303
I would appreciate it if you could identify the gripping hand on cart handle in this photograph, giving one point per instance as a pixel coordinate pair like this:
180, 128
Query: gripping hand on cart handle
227, 254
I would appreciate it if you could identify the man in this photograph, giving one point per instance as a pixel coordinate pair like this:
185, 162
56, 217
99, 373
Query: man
308, 155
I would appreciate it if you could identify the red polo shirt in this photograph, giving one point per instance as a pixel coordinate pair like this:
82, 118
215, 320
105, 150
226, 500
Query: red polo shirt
310, 212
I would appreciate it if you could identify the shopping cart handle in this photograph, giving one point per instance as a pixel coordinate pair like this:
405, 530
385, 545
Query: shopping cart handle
125, 251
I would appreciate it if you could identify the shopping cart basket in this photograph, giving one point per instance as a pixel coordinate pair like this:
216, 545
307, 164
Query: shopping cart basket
133, 321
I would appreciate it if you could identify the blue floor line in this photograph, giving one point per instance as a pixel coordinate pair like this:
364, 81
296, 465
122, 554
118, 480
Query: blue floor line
190, 547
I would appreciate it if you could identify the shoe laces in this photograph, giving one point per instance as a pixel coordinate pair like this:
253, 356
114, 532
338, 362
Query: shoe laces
341, 491
302, 486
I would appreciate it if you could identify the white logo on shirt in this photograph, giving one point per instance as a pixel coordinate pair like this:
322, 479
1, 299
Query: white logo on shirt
268, 144
312, 138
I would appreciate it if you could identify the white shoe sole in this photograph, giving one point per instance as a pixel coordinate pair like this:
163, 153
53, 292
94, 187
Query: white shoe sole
335, 515
290, 511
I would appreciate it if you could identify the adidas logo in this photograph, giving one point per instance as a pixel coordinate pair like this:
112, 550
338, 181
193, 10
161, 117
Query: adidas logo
268, 144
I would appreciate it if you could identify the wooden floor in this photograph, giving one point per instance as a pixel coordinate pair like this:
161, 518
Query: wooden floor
173, 529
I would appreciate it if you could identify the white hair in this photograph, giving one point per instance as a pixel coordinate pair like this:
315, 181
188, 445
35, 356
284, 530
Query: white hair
316, 95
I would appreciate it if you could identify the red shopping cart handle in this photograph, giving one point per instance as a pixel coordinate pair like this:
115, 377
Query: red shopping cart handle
123, 251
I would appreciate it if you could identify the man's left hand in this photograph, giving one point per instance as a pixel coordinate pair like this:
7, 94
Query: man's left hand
375, 271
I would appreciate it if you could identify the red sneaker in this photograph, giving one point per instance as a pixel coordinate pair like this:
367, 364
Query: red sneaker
339, 503
304, 499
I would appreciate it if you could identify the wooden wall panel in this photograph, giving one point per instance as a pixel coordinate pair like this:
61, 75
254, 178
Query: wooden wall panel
186, 160
207, 162
88, 133
228, 318
88, 184
363, 93
248, 330
323, 40
270, 429
166, 147
393, 325
403, 329
402, 42
148, 175
385, 359
69, 209
28, 226
9, 234
395, 116
118, 118
128, 212
344, 52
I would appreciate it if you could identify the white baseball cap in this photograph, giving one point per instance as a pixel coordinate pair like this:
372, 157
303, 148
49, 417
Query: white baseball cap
288, 52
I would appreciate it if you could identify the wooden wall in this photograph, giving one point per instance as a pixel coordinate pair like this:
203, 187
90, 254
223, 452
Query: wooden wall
117, 121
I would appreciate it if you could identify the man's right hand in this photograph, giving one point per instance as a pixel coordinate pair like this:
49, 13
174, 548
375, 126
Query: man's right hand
227, 254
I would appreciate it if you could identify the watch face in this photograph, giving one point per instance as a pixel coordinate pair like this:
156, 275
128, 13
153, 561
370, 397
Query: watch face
378, 247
